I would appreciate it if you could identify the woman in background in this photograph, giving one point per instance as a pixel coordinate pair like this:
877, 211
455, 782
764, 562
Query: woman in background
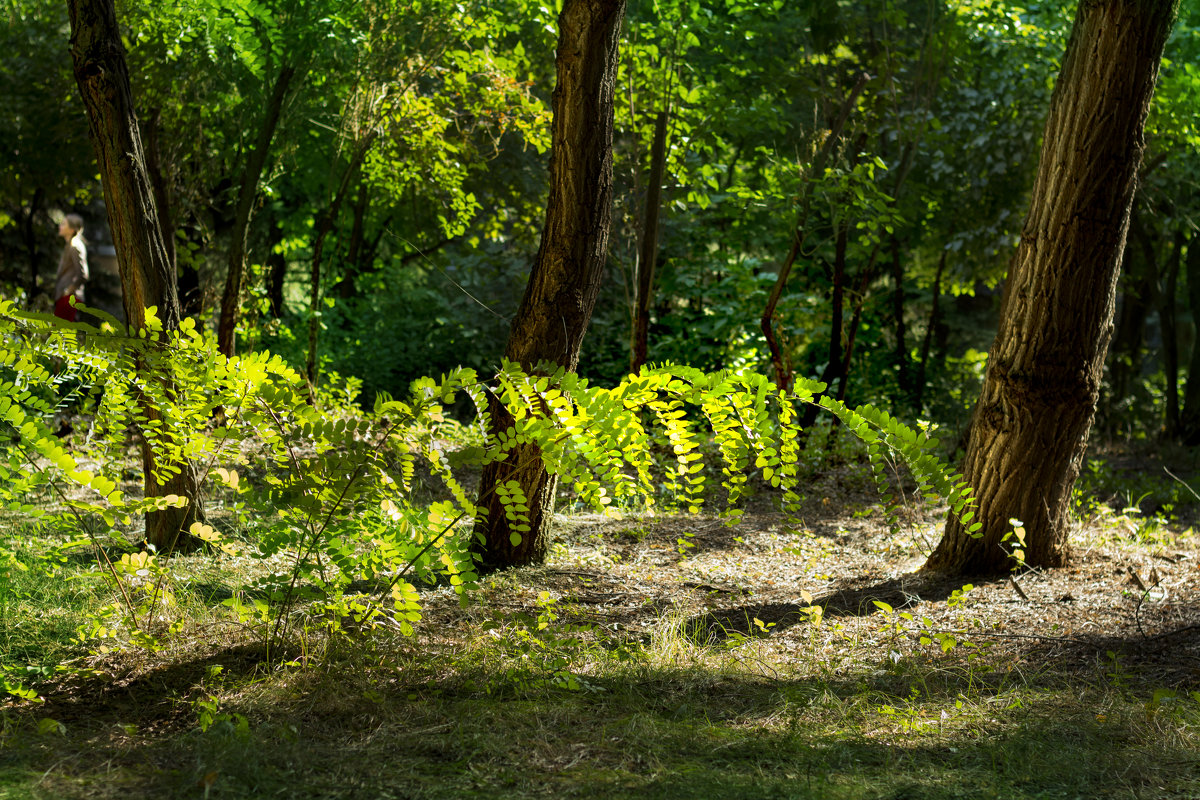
72, 268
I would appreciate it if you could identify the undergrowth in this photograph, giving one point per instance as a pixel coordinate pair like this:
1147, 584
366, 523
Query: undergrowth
292, 647
534, 700
323, 495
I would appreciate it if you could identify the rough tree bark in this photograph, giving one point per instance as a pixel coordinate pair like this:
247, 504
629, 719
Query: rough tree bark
256, 161
1032, 421
558, 300
147, 276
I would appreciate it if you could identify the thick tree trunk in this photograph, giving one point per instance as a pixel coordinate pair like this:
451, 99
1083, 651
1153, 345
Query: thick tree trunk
558, 300
256, 161
1031, 424
648, 254
147, 278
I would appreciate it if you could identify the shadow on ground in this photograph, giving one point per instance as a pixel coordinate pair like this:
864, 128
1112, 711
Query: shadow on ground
652, 732
719, 624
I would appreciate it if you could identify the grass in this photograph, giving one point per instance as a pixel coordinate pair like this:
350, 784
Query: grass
663, 656
630, 667
533, 704
673, 721
44, 598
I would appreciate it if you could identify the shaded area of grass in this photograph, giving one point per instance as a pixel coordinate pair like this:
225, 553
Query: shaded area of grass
671, 720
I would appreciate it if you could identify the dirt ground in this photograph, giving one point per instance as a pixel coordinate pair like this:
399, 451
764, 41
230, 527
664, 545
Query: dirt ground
1130, 592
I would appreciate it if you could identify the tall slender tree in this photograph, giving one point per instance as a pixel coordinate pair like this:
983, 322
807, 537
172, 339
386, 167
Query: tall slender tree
1032, 421
558, 300
1189, 423
147, 273
256, 162
648, 252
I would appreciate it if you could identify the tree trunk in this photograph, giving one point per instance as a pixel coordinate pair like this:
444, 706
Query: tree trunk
1125, 354
353, 266
1160, 289
935, 319
276, 267
903, 357
323, 227
324, 224
558, 300
367, 256
256, 161
648, 256
158, 185
29, 234
147, 278
191, 290
864, 283
836, 326
1170, 336
1034, 414
780, 361
1189, 423
868, 274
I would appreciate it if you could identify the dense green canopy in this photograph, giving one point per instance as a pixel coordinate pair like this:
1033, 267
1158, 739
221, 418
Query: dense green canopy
423, 128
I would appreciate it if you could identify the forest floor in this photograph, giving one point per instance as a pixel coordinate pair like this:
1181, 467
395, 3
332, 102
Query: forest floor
675, 657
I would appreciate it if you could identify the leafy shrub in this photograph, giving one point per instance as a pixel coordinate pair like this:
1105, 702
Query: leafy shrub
326, 497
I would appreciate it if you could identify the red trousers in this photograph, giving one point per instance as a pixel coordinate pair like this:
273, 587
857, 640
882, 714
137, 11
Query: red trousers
64, 310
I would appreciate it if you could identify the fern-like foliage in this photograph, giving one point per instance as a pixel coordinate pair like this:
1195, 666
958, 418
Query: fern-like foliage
330, 494
603, 442
353, 508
